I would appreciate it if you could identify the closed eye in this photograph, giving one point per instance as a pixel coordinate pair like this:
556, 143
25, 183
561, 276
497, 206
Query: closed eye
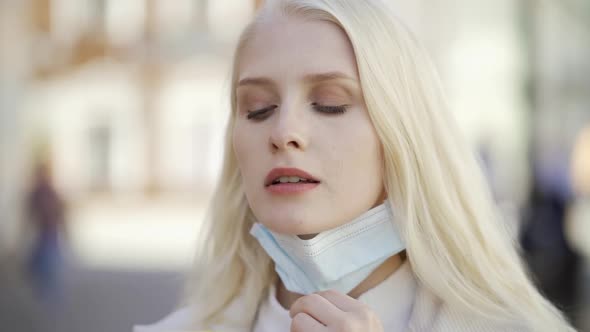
330, 109
262, 113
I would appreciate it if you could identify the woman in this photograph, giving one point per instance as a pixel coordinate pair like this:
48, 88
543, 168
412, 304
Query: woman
347, 200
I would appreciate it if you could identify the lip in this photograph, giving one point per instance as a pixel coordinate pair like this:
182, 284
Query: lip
291, 188
278, 172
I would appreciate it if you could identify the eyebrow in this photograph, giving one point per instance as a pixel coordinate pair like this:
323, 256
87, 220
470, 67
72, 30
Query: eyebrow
329, 76
311, 78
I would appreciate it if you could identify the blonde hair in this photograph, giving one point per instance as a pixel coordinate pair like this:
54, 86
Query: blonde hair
455, 240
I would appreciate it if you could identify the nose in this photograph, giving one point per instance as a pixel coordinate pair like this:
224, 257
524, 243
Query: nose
288, 131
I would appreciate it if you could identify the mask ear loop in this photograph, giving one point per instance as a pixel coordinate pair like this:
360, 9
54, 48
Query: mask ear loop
402, 254
384, 194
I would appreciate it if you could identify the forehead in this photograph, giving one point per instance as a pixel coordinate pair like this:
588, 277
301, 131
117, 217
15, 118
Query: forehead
284, 48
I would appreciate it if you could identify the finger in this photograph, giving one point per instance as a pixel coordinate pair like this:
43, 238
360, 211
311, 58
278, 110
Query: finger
317, 307
303, 322
342, 301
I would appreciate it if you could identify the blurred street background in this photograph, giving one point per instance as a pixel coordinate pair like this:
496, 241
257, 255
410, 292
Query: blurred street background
111, 121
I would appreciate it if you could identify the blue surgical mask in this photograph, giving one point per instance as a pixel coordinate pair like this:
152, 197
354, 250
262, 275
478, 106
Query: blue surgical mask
338, 259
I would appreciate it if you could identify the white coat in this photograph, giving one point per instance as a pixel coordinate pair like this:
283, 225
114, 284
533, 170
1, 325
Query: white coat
400, 301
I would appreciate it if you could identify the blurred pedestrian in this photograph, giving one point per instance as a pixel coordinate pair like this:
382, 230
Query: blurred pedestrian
46, 213
554, 263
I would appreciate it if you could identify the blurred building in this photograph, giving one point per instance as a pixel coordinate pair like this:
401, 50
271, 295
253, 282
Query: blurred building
131, 95
129, 98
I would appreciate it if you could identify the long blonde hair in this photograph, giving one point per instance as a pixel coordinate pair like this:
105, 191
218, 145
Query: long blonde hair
455, 239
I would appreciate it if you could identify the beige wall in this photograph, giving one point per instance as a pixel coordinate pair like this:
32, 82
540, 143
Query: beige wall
14, 74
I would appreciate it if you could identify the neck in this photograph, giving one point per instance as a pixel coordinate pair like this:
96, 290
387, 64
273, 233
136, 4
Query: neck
286, 298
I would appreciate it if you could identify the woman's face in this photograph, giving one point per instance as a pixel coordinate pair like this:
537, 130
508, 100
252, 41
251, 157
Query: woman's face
300, 105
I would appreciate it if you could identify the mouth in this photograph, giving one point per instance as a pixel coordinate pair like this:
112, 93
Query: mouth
288, 176
290, 179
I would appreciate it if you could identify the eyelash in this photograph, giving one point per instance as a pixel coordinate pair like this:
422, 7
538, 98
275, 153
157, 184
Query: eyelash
261, 114
329, 109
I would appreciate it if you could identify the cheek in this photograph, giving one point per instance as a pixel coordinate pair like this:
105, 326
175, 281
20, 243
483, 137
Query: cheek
238, 146
243, 150
361, 161
248, 152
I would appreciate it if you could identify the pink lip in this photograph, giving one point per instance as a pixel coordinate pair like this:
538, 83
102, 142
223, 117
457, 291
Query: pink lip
289, 188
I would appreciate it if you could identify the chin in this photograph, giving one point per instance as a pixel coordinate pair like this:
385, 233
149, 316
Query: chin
289, 223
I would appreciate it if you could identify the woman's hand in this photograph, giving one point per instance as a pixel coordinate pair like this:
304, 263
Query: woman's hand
332, 311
